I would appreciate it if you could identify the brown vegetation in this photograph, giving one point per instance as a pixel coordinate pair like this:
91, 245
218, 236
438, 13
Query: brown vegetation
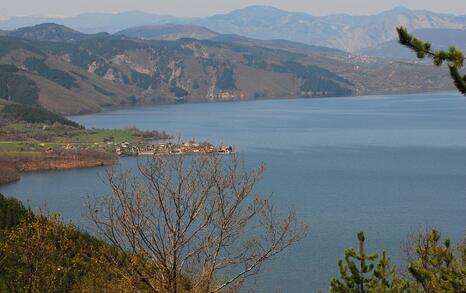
8, 173
56, 160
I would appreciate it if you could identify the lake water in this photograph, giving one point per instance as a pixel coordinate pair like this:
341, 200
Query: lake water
386, 165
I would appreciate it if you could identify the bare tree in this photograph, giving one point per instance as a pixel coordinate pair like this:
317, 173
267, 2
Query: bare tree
195, 223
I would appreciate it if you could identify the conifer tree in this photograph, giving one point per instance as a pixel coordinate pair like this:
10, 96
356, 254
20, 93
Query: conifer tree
361, 273
454, 57
11, 212
436, 266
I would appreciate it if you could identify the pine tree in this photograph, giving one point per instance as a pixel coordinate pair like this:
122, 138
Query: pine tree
454, 57
11, 212
437, 267
362, 273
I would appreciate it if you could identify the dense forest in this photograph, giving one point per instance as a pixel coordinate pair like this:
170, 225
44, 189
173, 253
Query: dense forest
34, 114
15, 87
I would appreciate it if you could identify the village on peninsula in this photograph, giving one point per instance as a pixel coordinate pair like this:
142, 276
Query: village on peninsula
61, 144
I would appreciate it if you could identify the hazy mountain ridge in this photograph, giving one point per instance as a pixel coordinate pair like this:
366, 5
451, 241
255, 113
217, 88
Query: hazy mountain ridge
50, 32
87, 72
349, 33
169, 32
93, 22
345, 32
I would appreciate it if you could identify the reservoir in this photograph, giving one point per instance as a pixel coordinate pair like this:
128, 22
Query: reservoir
385, 165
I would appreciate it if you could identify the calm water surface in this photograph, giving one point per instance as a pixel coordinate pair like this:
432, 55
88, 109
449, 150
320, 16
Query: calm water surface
387, 165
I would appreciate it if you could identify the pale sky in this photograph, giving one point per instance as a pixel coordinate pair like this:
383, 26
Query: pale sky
9, 8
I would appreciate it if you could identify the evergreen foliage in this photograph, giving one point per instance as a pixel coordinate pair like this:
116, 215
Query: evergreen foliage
226, 79
8, 44
15, 87
255, 61
454, 57
317, 81
34, 114
361, 273
433, 266
140, 79
43, 254
11, 212
179, 92
436, 266
62, 78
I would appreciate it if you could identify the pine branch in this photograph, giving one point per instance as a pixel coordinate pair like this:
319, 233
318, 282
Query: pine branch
454, 56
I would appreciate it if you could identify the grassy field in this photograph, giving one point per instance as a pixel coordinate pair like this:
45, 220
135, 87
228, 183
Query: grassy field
99, 135
13, 146
27, 132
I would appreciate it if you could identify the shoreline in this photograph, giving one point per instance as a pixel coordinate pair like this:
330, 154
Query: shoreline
12, 167
112, 108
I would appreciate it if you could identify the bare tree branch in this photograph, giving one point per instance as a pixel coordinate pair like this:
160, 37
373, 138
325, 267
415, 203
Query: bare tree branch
192, 218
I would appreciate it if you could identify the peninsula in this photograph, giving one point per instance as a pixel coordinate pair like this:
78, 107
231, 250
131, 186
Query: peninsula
34, 139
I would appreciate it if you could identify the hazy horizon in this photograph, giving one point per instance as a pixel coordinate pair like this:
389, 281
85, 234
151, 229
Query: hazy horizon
200, 8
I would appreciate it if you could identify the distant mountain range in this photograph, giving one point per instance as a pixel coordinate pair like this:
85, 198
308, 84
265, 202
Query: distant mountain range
93, 22
169, 32
71, 72
49, 32
344, 32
